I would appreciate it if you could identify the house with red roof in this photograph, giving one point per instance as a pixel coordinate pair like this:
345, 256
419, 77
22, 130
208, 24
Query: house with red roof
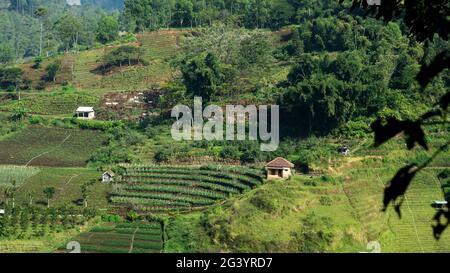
279, 168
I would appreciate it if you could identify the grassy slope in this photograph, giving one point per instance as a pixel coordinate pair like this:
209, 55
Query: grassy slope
158, 48
77, 68
270, 230
355, 186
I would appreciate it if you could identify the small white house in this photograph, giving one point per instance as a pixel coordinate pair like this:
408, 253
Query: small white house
108, 176
85, 112
439, 204
2, 212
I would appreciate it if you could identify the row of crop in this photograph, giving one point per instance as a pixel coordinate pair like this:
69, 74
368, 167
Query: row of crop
140, 225
166, 196
196, 178
189, 183
172, 189
148, 232
102, 249
212, 173
211, 169
147, 201
147, 245
161, 209
257, 173
221, 175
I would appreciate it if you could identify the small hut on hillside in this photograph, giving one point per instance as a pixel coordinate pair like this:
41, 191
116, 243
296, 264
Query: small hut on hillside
85, 112
108, 176
279, 168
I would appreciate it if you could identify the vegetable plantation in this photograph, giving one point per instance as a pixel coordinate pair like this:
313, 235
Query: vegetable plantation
19, 174
164, 189
138, 237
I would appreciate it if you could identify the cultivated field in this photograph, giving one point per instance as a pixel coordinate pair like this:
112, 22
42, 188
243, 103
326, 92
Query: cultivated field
56, 103
364, 183
19, 174
139, 237
67, 183
158, 48
159, 189
40, 146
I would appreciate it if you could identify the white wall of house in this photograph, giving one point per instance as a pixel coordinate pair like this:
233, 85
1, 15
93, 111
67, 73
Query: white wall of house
86, 115
278, 173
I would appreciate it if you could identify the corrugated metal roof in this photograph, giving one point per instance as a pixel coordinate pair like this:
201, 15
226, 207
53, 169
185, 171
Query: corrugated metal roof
85, 109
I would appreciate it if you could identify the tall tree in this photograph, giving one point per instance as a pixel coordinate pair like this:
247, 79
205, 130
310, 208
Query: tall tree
41, 13
6, 53
49, 193
108, 29
68, 29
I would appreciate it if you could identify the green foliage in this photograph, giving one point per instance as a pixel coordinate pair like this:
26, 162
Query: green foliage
202, 75
6, 53
108, 29
37, 62
52, 71
67, 29
10, 78
132, 216
313, 237
30, 222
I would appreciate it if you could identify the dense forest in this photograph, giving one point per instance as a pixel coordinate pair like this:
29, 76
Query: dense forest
343, 69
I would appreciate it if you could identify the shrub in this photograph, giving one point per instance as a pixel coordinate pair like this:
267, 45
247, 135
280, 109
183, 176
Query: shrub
325, 201
112, 218
264, 201
163, 155
37, 62
52, 70
230, 152
133, 216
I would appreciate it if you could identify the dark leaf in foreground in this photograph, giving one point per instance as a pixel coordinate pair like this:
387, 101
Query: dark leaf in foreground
385, 130
414, 134
440, 227
445, 101
398, 186
428, 72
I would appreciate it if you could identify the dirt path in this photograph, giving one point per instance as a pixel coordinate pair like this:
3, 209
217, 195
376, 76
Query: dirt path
132, 240
47, 152
71, 178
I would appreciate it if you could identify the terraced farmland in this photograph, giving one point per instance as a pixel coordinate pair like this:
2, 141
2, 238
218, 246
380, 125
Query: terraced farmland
140, 237
56, 103
56, 147
161, 189
411, 233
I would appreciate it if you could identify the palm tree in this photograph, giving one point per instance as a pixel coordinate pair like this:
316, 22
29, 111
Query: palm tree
49, 193
30, 197
85, 191
13, 192
41, 13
